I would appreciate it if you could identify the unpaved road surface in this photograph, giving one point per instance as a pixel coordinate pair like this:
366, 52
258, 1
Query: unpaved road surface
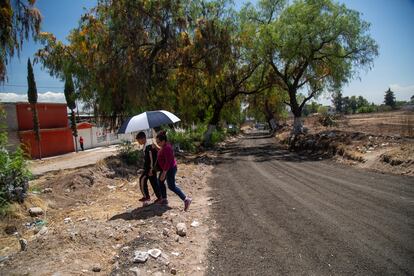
71, 160
279, 213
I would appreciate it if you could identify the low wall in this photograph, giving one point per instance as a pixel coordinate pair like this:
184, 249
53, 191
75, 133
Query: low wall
53, 142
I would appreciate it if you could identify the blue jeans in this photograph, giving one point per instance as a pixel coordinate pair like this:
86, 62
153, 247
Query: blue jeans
170, 177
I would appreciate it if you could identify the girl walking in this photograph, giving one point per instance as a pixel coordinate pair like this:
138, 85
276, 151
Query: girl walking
168, 165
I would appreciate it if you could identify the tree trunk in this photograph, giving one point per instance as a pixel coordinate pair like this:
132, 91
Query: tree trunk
297, 112
74, 129
36, 129
208, 134
297, 125
212, 125
270, 117
76, 144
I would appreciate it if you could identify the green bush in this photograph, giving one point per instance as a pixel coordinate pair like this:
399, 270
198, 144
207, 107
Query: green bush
190, 139
217, 136
366, 109
182, 139
14, 174
129, 153
187, 139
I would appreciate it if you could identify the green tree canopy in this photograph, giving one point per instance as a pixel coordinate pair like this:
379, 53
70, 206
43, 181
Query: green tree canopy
120, 54
389, 98
69, 90
197, 57
338, 101
312, 46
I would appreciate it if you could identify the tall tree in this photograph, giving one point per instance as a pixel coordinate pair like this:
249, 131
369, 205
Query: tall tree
219, 54
353, 104
389, 98
187, 56
312, 46
18, 20
120, 55
70, 97
338, 101
32, 97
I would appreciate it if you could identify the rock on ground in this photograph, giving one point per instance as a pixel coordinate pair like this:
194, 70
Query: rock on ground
181, 229
36, 211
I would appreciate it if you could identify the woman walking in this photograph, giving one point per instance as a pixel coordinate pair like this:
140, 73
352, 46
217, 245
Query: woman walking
168, 165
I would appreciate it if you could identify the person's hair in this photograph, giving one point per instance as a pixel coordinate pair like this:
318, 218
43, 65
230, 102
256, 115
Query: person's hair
162, 135
141, 135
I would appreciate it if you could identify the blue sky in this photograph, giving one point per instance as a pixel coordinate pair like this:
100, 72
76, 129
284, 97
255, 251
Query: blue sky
392, 27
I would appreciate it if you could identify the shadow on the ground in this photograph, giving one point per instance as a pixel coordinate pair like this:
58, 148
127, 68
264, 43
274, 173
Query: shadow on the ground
142, 212
263, 151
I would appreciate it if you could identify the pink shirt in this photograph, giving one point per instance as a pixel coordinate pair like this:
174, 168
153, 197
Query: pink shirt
166, 158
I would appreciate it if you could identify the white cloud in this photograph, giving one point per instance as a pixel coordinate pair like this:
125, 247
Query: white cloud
48, 97
402, 92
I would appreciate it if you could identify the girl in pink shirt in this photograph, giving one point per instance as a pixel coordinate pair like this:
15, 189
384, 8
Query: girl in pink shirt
168, 165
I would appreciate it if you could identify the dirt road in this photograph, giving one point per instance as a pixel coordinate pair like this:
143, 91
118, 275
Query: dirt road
283, 214
71, 160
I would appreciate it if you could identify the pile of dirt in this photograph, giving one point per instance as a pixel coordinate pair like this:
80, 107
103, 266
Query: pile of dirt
92, 221
391, 154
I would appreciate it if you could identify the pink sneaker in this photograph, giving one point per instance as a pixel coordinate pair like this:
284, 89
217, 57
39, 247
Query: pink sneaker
187, 202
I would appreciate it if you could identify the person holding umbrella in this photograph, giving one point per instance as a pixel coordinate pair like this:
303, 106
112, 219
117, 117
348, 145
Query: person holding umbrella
153, 119
149, 173
168, 165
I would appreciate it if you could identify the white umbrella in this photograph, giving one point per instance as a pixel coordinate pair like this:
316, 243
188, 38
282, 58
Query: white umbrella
146, 120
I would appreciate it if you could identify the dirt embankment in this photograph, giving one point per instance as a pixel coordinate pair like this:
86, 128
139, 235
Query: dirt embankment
92, 222
386, 144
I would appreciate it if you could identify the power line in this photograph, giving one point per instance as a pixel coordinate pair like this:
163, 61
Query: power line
25, 86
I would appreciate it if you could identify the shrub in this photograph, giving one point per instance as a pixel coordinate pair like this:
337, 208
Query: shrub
190, 139
217, 136
187, 139
182, 139
129, 153
366, 109
14, 174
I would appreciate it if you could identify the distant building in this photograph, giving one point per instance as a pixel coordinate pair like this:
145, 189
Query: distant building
94, 136
56, 136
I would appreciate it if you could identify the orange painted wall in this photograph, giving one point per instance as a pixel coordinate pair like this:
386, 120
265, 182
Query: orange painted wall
51, 115
53, 142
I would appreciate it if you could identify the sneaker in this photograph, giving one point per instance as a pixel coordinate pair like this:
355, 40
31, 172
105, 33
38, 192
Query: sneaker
161, 201
146, 203
187, 203
158, 201
144, 199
